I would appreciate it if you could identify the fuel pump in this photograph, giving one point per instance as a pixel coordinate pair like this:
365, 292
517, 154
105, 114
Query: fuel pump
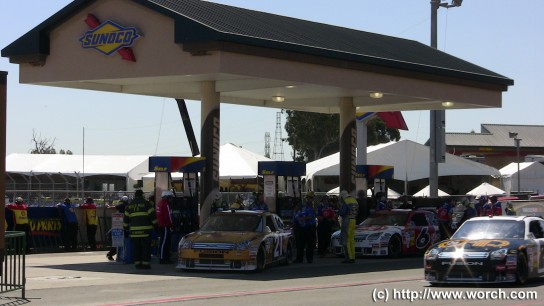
185, 207
282, 176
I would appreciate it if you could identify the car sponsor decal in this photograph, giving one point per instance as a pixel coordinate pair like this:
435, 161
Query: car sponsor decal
462, 263
475, 243
423, 239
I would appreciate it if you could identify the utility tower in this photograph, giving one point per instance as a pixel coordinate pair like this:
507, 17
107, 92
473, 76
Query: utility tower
278, 140
267, 144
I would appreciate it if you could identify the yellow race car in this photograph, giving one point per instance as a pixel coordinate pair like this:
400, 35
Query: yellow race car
237, 240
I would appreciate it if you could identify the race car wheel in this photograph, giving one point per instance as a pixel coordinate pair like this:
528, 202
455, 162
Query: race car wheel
394, 248
260, 260
522, 271
289, 255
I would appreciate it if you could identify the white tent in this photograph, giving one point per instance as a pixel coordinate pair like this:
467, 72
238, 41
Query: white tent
236, 162
410, 161
486, 189
426, 191
391, 194
531, 177
130, 166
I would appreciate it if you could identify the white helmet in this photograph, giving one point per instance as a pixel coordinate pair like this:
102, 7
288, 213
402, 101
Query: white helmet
124, 199
344, 194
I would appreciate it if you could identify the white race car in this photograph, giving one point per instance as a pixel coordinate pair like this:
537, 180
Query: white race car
393, 233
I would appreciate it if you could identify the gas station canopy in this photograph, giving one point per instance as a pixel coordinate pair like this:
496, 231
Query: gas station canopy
253, 58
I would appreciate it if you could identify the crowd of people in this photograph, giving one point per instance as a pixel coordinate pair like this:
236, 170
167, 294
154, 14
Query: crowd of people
313, 220
452, 214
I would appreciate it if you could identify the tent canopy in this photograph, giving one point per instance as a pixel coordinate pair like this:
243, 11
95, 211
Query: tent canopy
410, 159
531, 176
133, 166
237, 163
486, 189
391, 194
425, 192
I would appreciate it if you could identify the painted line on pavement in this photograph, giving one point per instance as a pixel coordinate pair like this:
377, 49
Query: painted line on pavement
257, 292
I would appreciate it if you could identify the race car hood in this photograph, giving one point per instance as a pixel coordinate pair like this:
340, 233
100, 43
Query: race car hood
378, 228
479, 245
367, 230
222, 237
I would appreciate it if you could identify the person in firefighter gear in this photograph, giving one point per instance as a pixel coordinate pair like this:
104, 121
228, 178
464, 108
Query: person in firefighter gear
140, 220
20, 219
348, 212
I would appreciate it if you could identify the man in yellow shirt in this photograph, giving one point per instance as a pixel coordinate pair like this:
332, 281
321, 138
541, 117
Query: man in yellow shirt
91, 221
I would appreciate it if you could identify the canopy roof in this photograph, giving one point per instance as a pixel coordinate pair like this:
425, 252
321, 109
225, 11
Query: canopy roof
486, 189
410, 161
251, 56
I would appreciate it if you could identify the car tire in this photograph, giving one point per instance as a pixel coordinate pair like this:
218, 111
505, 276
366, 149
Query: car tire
260, 266
289, 255
394, 247
522, 272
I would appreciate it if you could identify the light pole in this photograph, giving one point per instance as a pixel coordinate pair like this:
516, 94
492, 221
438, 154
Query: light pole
517, 140
437, 144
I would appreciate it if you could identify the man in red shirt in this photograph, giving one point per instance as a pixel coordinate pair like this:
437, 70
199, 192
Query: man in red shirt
164, 220
20, 219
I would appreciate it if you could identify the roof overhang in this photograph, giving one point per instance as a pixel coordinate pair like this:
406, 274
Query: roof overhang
176, 54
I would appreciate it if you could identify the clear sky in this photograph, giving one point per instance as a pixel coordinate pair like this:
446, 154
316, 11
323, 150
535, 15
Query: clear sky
501, 35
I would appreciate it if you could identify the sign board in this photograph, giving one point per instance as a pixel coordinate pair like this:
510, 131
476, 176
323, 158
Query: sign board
117, 220
117, 237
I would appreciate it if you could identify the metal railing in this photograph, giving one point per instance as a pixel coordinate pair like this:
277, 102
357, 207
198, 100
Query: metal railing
13, 267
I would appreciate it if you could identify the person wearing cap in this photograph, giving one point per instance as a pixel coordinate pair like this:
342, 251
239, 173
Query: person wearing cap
348, 212
70, 226
91, 221
20, 219
259, 204
163, 209
140, 220
496, 206
306, 224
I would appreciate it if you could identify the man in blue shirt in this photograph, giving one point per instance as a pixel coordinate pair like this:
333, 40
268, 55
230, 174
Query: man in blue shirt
70, 226
259, 204
305, 220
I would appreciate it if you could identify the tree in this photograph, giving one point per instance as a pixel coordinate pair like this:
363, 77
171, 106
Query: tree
45, 145
314, 135
42, 145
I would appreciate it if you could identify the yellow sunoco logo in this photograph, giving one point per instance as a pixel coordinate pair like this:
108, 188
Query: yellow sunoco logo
109, 37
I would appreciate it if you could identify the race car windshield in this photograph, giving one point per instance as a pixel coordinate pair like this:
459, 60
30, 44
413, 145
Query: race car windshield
232, 223
386, 219
492, 229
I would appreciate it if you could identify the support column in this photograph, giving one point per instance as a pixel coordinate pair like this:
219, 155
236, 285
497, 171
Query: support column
3, 118
209, 142
348, 142
361, 182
